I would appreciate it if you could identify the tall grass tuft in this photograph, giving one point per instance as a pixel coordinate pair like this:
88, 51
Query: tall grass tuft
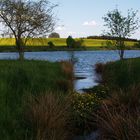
67, 67
47, 117
99, 69
67, 83
119, 116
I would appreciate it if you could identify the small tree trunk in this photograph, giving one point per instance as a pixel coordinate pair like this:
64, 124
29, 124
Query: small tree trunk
122, 55
121, 47
21, 55
19, 46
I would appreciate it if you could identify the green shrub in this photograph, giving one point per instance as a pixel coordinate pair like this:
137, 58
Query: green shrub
70, 42
100, 91
51, 44
83, 105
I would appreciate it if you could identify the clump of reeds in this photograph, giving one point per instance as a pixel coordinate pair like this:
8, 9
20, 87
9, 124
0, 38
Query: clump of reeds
67, 68
47, 117
66, 84
99, 69
119, 116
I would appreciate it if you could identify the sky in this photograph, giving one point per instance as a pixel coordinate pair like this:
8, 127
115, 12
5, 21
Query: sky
82, 18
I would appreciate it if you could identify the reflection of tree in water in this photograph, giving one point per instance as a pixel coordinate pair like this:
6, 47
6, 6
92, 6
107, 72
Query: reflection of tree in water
72, 57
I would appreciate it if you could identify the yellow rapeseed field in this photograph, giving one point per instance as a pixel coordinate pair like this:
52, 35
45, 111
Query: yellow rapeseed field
60, 42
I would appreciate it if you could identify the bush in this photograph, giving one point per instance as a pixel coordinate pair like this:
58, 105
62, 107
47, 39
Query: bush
83, 105
70, 42
50, 44
100, 91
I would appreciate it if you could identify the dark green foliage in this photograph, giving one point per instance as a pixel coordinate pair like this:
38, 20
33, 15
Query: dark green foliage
137, 45
100, 91
51, 44
83, 105
70, 42
121, 74
106, 37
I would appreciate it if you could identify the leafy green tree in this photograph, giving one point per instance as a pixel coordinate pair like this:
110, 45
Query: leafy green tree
70, 42
120, 26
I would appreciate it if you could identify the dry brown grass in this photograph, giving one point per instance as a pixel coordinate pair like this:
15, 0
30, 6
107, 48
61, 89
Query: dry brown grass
67, 68
99, 69
119, 116
47, 117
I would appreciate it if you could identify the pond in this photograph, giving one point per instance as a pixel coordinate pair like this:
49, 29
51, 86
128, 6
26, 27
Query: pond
84, 62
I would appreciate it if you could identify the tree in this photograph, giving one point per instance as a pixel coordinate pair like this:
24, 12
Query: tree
54, 35
70, 42
26, 19
120, 26
51, 44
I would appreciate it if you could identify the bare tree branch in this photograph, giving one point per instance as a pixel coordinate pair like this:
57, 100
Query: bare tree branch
27, 18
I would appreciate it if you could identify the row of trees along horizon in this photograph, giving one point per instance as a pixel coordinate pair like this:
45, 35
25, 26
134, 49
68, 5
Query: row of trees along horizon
106, 37
27, 19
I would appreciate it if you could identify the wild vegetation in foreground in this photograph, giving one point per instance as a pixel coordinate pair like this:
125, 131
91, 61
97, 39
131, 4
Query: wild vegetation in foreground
22, 82
37, 101
118, 116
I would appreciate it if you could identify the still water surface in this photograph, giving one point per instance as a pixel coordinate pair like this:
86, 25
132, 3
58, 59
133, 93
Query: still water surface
84, 62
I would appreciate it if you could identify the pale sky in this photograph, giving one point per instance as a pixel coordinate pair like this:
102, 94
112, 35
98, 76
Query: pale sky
82, 18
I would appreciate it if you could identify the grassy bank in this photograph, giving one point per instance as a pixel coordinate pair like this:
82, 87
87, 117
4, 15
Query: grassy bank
118, 116
19, 81
120, 74
35, 104
41, 44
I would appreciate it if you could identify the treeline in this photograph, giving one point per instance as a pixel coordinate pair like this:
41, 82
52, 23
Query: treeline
110, 38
